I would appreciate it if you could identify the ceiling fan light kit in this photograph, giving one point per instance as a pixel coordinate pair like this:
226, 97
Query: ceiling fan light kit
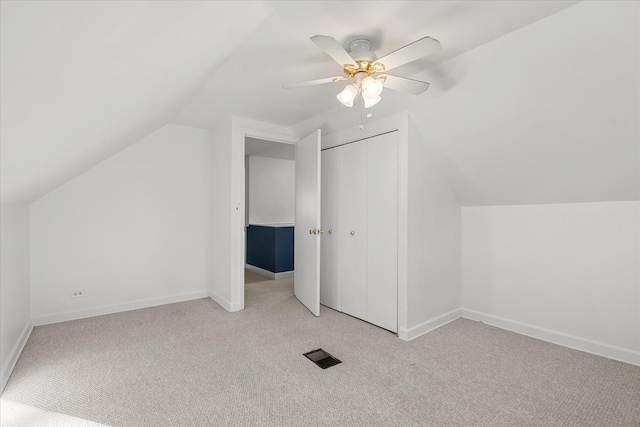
371, 88
370, 102
348, 94
363, 67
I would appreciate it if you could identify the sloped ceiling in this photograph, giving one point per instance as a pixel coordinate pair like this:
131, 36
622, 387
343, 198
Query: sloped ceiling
250, 82
549, 113
83, 80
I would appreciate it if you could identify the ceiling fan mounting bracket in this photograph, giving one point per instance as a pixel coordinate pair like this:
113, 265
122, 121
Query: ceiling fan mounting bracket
360, 45
360, 50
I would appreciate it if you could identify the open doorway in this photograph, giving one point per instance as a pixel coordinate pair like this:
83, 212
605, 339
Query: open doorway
269, 210
306, 286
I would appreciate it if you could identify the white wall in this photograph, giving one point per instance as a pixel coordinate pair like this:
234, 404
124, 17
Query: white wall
271, 190
567, 273
15, 303
433, 238
221, 258
133, 231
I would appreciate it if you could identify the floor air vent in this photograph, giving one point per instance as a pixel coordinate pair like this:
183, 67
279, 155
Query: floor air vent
322, 358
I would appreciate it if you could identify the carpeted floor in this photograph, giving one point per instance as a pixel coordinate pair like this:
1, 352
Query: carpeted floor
194, 364
253, 277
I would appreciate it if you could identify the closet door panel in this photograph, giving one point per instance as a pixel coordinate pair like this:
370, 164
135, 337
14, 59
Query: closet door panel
330, 294
382, 226
353, 230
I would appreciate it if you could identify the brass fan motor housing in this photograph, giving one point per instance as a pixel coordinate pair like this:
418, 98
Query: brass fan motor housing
366, 67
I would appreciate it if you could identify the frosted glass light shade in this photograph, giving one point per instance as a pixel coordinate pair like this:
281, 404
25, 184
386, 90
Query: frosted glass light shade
347, 96
370, 102
371, 88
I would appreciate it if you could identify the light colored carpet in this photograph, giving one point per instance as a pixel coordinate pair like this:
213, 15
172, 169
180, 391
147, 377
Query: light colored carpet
253, 277
17, 414
194, 364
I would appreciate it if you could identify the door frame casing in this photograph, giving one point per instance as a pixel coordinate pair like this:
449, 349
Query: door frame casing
240, 129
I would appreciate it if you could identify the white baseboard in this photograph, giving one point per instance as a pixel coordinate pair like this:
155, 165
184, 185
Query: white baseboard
428, 326
269, 274
577, 343
116, 308
8, 366
283, 275
225, 303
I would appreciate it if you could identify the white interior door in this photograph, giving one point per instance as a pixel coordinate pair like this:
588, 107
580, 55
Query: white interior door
306, 282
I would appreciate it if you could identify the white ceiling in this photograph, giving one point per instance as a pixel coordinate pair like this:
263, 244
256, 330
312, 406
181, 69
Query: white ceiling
279, 51
82, 80
546, 114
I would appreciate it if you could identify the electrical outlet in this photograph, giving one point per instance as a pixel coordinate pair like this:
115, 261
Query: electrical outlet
77, 294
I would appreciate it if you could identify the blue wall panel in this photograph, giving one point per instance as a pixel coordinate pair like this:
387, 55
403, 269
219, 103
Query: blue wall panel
270, 248
284, 249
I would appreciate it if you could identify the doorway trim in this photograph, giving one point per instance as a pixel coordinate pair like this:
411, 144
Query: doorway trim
240, 129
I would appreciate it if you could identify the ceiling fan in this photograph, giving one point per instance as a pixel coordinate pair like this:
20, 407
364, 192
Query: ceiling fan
367, 73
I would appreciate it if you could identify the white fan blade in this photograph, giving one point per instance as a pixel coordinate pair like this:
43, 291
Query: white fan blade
416, 50
404, 84
313, 82
333, 49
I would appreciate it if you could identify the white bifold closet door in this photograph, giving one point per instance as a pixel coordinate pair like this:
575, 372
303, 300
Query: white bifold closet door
382, 231
354, 231
359, 265
331, 191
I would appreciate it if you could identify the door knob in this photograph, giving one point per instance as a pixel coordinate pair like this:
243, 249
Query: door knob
321, 231
353, 233
312, 231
